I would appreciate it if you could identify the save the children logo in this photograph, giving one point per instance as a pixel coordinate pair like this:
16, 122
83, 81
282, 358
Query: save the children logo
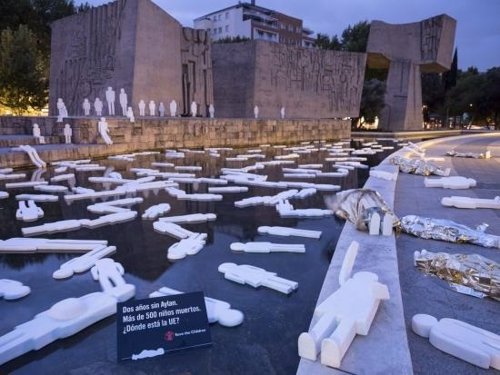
169, 336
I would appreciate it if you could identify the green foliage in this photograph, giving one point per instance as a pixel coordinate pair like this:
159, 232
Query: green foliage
323, 41
23, 74
234, 39
355, 38
372, 99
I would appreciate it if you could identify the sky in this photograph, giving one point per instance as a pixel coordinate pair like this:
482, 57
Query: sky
478, 21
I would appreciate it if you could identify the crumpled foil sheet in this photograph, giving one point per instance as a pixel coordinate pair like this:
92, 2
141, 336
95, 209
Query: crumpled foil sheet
471, 274
418, 166
473, 155
358, 206
447, 230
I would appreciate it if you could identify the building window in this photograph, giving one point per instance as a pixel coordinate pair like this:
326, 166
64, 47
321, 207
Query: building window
227, 28
290, 28
227, 15
219, 17
220, 30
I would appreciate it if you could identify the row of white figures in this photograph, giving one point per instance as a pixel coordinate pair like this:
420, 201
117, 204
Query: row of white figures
256, 112
68, 133
71, 315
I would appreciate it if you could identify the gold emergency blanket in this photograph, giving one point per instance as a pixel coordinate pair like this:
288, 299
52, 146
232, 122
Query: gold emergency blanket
358, 205
418, 166
467, 273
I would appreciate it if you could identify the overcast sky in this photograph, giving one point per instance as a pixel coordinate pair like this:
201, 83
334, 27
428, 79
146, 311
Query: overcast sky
478, 21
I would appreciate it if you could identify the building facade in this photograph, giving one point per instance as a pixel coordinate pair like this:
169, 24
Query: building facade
248, 20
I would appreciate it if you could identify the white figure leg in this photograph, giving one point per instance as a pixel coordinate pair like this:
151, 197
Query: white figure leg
374, 226
334, 347
310, 342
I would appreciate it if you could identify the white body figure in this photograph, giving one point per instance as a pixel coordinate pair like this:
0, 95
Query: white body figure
33, 245
12, 176
37, 134
51, 188
187, 246
454, 182
68, 133
348, 311
148, 354
155, 211
123, 101
12, 289
467, 202
194, 109
142, 108
267, 247
256, 277
4, 195
29, 212
172, 229
63, 319
32, 154
173, 108
110, 99
24, 184
109, 274
115, 206
102, 127
286, 232
189, 219
188, 168
161, 109
152, 108
285, 209
37, 197
182, 195
217, 311
63, 177
228, 189
62, 112
98, 106
82, 263
462, 340
282, 112
130, 114
256, 112
304, 193
211, 111
86, 107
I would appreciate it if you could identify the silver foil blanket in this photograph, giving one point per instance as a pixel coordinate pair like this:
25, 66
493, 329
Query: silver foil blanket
447, 230
469, 273
358, 205
418, 166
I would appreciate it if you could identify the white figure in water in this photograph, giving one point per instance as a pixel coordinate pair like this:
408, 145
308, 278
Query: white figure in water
123, 101
98, 106
37, 133
462, 340
194, 109
142, 108
68, 133
211, 111
109, 274
173, 108
110, 98
152, 108
130, 114
256, 112
282, 112
161, 109
103, 128
86, 107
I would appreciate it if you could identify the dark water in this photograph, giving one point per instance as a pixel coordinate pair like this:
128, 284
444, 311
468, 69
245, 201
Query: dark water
266, 342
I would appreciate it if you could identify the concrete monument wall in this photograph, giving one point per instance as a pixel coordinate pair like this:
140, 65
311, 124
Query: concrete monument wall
309, 83
130, 44
408, 50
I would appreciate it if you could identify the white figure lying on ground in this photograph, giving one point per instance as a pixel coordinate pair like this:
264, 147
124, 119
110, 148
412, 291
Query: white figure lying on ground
267, 247
152, 108
142, 108
173, 108
103, 129
44, 245
12, 289
454, 182
217, 311
4, 195
189, 219
155, 211
256, 277
161, 109
68, 133
211, 111
109, 274
110, 98
30, 212
130, 114
187, 246
256, 112
86, 107
37, 134
83, 262
462, 340
194, 109
285, 231
348, 311
123, 101
98, 106
468, 202
172, 229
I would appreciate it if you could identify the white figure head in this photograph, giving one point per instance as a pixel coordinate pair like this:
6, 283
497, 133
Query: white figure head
226, 267
122, 91
85, 100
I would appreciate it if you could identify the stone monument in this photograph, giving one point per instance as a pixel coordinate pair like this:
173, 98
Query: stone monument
408, 50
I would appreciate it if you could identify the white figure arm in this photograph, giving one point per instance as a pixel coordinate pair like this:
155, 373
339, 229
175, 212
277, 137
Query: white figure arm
95, 273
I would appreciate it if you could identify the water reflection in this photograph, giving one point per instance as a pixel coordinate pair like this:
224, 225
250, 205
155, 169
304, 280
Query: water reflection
265, 343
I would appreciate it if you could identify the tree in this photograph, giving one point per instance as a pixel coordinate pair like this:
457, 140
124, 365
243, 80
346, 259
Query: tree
450, 77
323, 41
23, 74
372, 100
355, 38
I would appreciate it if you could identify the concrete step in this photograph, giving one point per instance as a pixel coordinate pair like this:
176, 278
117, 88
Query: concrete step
17, 140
